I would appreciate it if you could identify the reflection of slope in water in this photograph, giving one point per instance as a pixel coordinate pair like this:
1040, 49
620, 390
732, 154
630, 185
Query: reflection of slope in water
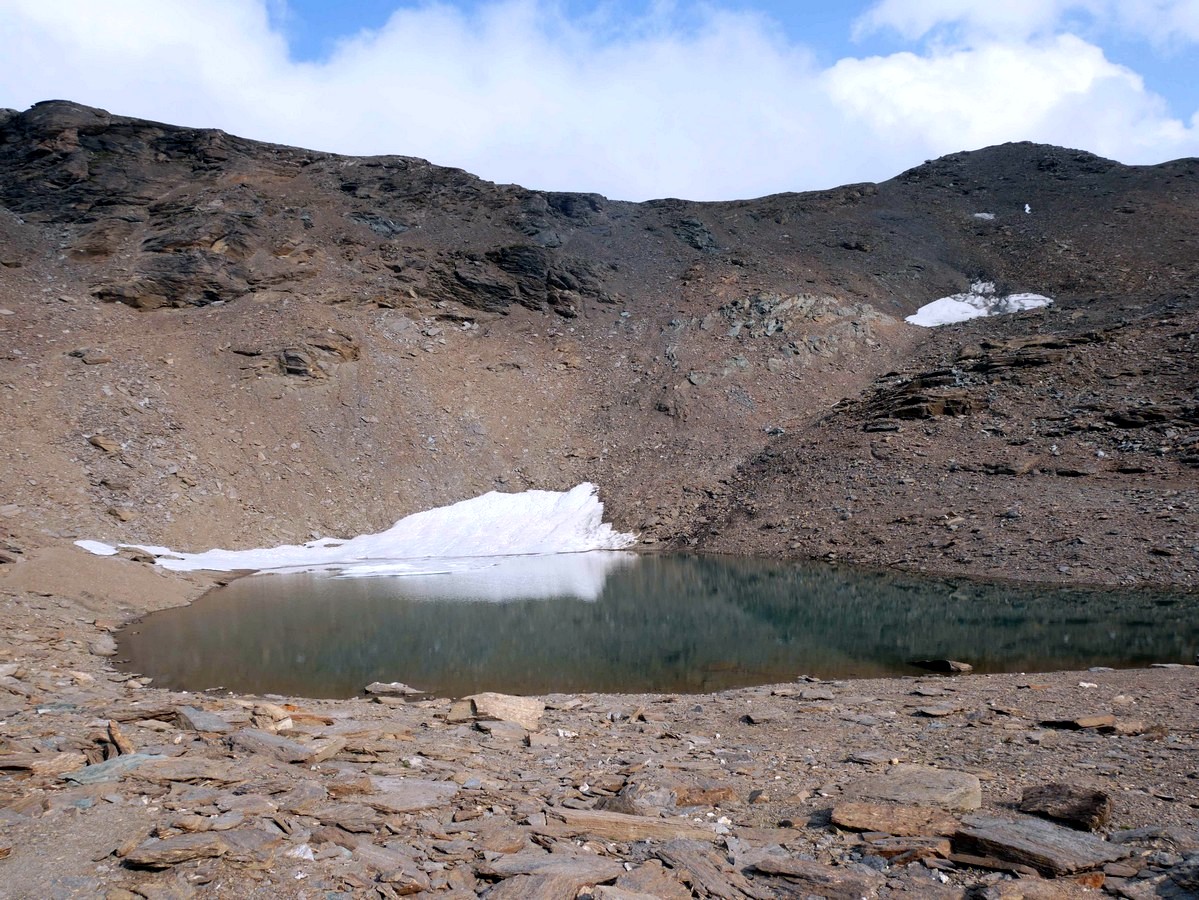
685, 624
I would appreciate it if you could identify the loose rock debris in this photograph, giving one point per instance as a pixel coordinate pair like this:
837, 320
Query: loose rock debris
830, 790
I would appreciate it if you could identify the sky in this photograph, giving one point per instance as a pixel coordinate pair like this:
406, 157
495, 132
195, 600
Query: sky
634, 99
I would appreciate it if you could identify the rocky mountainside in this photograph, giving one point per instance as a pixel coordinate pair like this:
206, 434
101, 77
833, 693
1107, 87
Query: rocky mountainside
209, 340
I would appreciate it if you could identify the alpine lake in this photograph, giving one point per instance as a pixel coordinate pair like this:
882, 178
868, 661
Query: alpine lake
630, 623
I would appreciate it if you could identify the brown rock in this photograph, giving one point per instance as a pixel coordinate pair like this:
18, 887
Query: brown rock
554, 886
819, 880
903, 850
921, 786
395, 794
355, 817
890, 818
42, 763
654, 879
948, 666
584, 869
706, 871
161, 853
324, 749
1070, 804
102, 442
524, 711
607, 892
1097, 720
705, 792
391, 689
252, 740
937, 711
621, 827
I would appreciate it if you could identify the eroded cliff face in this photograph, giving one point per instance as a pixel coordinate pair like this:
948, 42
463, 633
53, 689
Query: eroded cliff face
210, 340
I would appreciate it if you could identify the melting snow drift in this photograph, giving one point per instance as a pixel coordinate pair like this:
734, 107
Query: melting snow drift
495, 524
980, 300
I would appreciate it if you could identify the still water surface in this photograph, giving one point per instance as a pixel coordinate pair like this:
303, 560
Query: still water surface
619, 622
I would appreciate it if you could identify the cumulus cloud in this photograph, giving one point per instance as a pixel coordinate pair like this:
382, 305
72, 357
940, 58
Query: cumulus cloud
717, 106
1064, 91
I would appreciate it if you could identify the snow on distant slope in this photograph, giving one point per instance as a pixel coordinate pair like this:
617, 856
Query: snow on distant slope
495, 524
981, 300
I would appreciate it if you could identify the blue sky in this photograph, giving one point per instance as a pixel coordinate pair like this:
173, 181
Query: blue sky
633, 98
1170, 68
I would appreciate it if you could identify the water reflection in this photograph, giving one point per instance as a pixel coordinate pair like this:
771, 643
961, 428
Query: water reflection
625, 623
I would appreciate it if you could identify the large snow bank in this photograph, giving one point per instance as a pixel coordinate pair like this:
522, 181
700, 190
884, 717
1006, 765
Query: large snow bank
980, 300
434, 541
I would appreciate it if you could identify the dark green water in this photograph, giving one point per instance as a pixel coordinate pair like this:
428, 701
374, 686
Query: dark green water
625, 623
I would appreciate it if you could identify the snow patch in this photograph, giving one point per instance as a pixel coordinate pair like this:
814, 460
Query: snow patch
97, 547
446, 539
981, 300
986, 217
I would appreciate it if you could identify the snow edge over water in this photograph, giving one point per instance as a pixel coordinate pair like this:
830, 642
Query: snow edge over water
494, 524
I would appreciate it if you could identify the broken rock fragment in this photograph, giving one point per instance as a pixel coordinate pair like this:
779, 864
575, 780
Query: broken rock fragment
1048, 848
1071, 804
524, 711
159, 853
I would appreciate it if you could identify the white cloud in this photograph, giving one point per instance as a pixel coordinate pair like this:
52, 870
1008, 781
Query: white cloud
1062, 91
1163, 21
518, 92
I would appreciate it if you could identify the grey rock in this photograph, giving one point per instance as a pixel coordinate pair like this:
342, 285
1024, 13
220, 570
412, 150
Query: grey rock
1048, 848
251, 740
922, 786
200, 720
111, 769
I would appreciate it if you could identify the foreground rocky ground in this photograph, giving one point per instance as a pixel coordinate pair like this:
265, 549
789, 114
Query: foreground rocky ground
873, 788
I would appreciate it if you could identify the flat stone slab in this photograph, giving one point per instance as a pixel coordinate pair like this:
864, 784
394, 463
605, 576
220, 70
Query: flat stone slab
819, 880
43, 763
552, 886
251, 740
921, 786
891, 818
1048, 848
162, 853
615, 826
111, 769
202, 720
192, 769
584, 870
391, 689
395, 794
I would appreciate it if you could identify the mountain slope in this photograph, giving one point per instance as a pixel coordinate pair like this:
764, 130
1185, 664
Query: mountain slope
219, 341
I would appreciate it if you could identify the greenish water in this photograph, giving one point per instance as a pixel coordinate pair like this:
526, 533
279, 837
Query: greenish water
618, 622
